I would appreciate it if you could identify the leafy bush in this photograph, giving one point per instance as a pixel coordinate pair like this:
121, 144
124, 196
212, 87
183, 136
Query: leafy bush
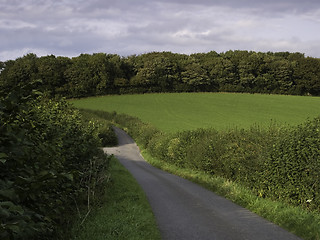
49, 161
292, 171
104, 127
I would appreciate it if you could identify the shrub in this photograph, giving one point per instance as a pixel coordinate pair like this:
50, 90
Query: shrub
104, 127
292, 171
48, 161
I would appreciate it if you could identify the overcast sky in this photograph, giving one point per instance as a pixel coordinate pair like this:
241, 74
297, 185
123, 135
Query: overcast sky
125, 27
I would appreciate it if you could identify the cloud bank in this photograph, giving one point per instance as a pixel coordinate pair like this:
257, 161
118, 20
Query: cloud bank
125, 27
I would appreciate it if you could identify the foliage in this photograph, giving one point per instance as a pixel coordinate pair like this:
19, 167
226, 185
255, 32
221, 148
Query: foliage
231, 71
292, 170
49, 161
277, 162
104, 127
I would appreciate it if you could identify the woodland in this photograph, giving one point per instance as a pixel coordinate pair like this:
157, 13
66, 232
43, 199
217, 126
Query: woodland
231, 71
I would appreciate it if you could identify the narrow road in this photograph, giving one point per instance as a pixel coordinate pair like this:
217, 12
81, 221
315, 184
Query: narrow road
185, 210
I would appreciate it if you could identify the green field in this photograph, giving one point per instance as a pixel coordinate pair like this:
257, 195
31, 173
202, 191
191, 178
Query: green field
173, 112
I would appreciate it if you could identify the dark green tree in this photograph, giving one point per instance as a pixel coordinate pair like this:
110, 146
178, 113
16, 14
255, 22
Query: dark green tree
195, 77
51, 71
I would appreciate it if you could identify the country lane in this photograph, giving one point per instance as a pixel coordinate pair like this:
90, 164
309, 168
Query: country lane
185, 210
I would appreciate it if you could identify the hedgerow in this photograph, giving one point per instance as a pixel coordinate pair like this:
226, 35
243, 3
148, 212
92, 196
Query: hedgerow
278, 162
292, 170
104, 128
49, 164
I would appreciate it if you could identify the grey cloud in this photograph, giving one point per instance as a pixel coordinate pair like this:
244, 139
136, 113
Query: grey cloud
72, 27
262, 5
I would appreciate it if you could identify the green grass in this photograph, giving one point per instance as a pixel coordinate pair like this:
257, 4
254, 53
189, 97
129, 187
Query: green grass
300, 222
172, 112
123, 213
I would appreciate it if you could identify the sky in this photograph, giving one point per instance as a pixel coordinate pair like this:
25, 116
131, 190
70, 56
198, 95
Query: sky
126, 27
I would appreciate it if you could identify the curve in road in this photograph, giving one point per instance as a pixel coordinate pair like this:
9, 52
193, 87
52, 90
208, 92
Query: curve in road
185, 210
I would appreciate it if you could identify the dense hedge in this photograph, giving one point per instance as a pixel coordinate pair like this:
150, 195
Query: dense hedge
49, 164
104, 128
278, 162
292, 170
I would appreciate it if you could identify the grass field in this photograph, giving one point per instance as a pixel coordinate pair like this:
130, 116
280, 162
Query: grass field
173, 112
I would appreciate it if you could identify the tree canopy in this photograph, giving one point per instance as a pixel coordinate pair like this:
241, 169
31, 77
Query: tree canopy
231, 71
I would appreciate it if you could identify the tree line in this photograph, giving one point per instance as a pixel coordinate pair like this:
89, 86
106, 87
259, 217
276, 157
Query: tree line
231, 71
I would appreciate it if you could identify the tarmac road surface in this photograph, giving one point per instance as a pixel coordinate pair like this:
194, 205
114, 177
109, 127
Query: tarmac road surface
185, 210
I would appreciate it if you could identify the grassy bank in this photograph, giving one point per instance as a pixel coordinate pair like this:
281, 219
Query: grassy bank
122, 213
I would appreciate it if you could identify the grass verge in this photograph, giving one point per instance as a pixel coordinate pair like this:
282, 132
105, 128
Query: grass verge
123, 212
300, 222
